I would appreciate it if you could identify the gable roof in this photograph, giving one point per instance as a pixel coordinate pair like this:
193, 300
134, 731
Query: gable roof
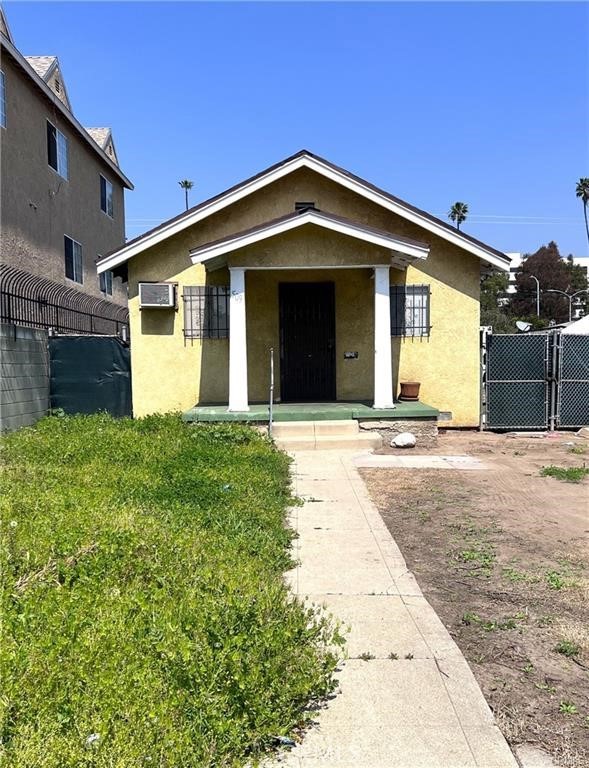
103, 137
100, 135
303, 159
4, 28
406, 250
42, 64
38, 80
48, 69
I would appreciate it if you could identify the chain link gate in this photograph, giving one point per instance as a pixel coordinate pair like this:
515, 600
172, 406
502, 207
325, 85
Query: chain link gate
573, 385
534, 381
517, 390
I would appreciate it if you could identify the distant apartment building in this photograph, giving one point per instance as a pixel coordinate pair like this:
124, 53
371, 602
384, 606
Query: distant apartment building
62, 190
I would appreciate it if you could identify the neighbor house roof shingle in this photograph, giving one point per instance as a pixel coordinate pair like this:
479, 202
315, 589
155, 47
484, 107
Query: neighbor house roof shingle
100, 135
41, 64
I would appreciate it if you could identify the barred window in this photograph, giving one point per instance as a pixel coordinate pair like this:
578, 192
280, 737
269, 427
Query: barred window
206, 311
410, 310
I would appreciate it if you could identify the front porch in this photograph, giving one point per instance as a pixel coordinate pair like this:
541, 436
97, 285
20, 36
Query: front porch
358, 411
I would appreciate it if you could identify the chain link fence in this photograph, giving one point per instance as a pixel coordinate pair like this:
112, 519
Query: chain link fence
535, 381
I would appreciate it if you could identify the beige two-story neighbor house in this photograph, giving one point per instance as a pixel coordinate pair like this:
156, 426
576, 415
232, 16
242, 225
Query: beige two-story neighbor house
62, 191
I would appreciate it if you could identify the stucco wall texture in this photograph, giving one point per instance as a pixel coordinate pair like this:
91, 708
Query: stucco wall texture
39, 207
173, 373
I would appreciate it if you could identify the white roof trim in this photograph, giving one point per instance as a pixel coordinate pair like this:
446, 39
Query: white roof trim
65, 112
299, 161
204, 253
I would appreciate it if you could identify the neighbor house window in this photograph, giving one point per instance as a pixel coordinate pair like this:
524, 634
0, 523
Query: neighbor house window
2, 100
73, 259
106, 282
57, 150
410, 310
106, 204
206, 311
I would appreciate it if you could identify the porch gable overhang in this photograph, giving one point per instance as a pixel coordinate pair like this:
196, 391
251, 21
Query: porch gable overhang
305, 159
403, 251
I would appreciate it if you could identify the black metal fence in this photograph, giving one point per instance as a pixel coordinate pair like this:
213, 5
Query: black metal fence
37, 302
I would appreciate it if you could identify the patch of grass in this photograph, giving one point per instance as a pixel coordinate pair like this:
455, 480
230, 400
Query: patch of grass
393, 656
545, 687
145, 619
489, 625
545, 621
568, 648
566, 474
578, 450
482, 556
555, 580
568, 708
515, 576
366, 656
409, 656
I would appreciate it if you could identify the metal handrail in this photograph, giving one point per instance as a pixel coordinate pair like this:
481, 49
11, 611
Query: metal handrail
271, 403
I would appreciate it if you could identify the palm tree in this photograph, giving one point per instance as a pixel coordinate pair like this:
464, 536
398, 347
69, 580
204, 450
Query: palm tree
583, 193
186, 186
458, 213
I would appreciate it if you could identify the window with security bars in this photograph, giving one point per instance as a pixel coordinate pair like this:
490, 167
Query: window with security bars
410, 310
206, 311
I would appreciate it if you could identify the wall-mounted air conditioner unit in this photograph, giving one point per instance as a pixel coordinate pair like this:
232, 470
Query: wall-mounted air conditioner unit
157, 295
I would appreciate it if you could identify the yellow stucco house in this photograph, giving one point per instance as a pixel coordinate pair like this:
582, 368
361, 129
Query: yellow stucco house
353, 289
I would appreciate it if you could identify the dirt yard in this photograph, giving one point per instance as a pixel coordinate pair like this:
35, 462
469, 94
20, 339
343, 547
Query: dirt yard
502, 555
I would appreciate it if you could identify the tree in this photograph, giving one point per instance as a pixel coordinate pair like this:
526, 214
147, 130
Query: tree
186, 186
582, 191
553, 272
493, 291
458, 213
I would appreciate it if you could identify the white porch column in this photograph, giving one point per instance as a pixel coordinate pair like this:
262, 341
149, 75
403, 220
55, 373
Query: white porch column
383, 366
238, 400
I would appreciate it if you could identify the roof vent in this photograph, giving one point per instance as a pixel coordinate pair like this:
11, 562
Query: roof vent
301, 207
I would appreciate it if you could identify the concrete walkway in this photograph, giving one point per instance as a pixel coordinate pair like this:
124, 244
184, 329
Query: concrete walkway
426, 711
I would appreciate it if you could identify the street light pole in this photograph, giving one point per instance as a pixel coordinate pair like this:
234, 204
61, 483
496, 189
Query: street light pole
570, 297
537, 295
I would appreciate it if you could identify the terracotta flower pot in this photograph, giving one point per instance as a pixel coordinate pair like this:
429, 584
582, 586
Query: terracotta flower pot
409, 390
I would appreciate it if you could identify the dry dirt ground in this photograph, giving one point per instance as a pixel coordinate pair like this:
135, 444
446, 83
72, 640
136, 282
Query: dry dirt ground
502, 555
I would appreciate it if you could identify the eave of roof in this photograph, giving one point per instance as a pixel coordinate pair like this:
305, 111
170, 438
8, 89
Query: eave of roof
411, 249
56, 101
302, 159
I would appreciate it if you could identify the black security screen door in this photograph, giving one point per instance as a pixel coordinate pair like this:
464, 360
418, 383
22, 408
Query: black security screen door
307, 341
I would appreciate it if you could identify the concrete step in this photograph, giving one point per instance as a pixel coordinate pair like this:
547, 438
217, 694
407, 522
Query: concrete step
361, 441
303, 429
310, 429
336, 428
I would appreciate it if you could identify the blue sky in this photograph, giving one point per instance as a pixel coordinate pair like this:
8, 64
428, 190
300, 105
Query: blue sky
486, 103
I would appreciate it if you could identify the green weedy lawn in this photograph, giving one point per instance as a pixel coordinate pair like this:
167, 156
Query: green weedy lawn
145, 622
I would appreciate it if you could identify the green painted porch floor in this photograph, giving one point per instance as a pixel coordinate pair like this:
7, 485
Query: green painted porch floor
312, 412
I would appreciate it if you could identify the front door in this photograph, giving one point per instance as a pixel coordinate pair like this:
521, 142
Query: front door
307, 341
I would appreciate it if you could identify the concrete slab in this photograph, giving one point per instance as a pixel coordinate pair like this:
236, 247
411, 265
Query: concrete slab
419, 462
422, 710
378, 624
